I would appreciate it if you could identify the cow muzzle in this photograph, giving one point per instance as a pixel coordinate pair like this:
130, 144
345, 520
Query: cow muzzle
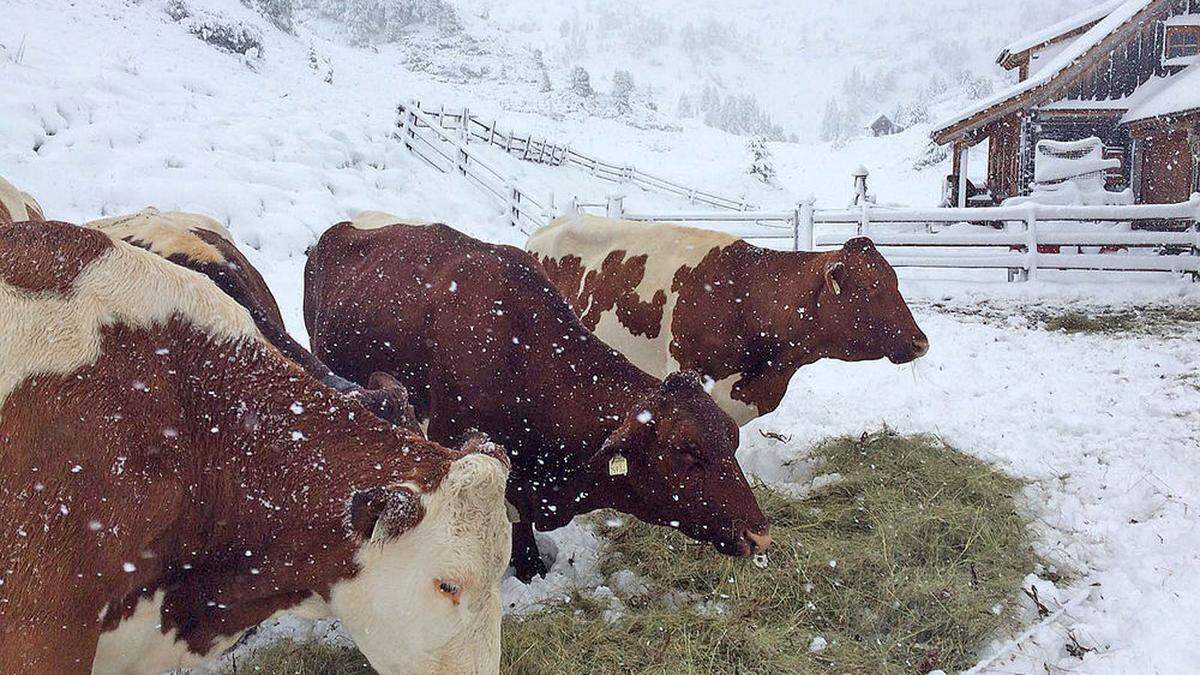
752, 542
917, 347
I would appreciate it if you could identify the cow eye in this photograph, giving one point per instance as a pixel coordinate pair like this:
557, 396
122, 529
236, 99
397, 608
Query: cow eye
449, 588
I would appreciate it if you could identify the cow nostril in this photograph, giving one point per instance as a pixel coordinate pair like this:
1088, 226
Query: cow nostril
920, 345
758, 542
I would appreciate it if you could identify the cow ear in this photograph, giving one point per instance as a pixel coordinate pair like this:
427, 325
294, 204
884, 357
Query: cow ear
613, 456
379, 515
684, 380
858, 245
835, 276
388, 399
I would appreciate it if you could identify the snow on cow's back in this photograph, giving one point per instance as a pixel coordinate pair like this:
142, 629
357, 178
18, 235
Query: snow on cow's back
373, 220
167, 233
57, 328
592, 238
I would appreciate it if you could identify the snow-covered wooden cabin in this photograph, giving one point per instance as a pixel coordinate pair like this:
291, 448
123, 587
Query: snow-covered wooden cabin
1125, 71
884, 126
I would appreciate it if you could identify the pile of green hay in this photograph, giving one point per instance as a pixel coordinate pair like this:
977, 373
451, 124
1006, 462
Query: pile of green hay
911, 561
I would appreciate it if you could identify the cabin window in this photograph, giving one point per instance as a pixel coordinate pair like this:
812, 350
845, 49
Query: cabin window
1182, 41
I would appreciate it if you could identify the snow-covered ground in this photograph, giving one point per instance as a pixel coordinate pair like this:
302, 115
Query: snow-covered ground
110, 107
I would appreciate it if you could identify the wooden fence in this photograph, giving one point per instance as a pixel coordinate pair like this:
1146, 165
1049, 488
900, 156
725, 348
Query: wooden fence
472, 128
448, 153
1013, 245
1024, 238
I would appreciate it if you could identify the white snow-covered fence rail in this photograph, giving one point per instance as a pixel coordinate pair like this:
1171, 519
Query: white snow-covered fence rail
439, 148
1020, 246
472, 127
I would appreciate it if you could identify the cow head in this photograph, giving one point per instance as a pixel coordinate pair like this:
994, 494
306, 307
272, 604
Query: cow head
672, 463
860, 310
426, 598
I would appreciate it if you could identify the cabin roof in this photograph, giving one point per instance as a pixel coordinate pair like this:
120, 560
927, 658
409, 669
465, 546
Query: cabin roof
1057, 31
1177, 94
1073, 59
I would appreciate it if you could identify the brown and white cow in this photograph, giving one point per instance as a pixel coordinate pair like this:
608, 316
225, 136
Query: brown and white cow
483, 341
671, 297
16, 206
204, 245
170, 480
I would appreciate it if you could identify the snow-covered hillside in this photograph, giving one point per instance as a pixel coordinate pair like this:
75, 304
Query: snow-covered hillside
113, 105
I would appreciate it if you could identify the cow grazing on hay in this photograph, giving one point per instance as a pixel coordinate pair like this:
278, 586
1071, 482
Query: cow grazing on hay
483, 341
17, 206
672, 297
202, 244
171, 480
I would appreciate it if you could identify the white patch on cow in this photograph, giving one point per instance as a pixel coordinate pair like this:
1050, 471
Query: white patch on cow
167, 233
373, 220
137, 646
393, 608
20, 205
666, 247
46, 333
722, 393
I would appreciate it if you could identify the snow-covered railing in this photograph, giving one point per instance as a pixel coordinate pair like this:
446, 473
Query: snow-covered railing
1013, 246
447, 153
473, 128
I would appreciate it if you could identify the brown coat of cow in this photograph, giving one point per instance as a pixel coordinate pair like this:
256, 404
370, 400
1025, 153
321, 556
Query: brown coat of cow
201, 244
671, 297
170, 480
483, 341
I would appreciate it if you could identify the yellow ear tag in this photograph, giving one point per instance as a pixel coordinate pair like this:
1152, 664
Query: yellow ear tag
618, 466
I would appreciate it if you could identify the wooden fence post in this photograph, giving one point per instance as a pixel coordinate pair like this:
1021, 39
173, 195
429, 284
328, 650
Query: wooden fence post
1031, 238
615, 207
864, 219
805, 233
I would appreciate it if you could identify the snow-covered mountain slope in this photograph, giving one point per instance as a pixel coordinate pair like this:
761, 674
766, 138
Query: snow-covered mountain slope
113, 105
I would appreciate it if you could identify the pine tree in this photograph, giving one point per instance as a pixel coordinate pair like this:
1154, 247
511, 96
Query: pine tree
581, 82
831, 121
622, 90
684, 108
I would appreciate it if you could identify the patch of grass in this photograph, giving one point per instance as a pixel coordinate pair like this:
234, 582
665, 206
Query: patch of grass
911, 561
1080, 322
303, 658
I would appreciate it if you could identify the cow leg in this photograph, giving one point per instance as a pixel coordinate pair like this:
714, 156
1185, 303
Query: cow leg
526, 561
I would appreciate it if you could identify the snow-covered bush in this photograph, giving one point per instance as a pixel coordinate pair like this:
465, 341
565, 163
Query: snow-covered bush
581, 82
278, 12
934, 155
320, 65
762, 165
218, 30
369, 21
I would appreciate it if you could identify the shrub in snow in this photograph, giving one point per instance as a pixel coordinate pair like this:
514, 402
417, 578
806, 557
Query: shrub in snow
934, 155
278, 12
581, 82
761, 164
320, 65
217, 30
